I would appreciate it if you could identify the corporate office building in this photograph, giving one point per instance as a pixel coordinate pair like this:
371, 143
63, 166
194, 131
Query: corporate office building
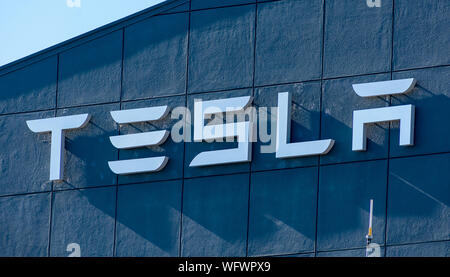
366, 79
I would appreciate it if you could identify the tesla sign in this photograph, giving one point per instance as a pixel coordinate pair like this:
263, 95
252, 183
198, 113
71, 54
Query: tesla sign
244, 131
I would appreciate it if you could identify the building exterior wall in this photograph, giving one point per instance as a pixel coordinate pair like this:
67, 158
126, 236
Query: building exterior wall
184, 50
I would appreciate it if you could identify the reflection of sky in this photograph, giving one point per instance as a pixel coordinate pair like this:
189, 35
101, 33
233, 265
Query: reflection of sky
28, 26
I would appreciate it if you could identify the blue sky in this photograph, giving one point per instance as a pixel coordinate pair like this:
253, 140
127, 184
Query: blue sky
28, 26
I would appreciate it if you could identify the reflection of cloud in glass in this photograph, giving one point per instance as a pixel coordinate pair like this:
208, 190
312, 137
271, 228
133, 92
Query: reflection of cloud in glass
73, 3
374, 3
